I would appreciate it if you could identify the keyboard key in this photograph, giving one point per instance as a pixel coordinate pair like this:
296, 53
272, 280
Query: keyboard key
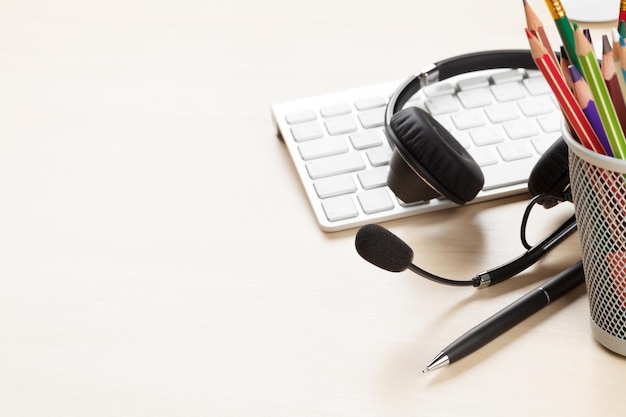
537, 86
442, 105
473, 83
502, 112
439, 89
519, 129
370, 103
372, 118
551, 123
475, 98
339, 208
301, 117
487, 135
507, 76
335, 110
508, 92
322, 147
306, 131
334, 165
534, 106
373, 178
468, 119
379, 156
334, 186
366, 139
515, 150
340, 125
484, 156
375, 201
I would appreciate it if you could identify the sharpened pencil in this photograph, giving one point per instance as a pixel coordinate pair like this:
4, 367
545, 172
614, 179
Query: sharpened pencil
617, 61
612, 83
621, 19
593, 75
565, 63
585, 100
569, 106
565, 29
534, 24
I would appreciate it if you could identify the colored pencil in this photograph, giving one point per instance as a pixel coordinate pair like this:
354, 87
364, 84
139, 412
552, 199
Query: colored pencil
612, 83
565, 29
593, 75
617, 61
569, 106
564, 61
585, 100
622, 18
536, 26
622, 55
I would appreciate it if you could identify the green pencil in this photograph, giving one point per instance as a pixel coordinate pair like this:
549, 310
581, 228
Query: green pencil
564, 26
600, 92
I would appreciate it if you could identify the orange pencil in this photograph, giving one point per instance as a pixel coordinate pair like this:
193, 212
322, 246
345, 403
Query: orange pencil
569, 106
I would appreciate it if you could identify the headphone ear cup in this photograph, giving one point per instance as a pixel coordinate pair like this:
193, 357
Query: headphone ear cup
428, 161
551, 173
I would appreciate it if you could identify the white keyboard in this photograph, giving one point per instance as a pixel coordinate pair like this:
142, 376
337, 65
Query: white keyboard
505, 118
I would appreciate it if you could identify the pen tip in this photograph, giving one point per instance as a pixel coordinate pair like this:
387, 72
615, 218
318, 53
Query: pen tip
440, 361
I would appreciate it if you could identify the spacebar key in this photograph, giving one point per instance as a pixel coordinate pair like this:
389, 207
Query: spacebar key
334, 165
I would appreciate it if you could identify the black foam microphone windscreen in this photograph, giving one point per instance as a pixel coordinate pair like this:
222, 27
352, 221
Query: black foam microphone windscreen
382, 248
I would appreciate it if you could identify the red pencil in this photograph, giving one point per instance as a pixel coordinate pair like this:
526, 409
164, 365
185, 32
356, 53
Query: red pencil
569, 106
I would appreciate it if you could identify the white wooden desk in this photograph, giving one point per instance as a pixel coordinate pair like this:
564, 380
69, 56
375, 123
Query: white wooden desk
157, 254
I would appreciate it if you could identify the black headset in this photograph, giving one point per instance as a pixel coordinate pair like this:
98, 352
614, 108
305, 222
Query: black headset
428, 162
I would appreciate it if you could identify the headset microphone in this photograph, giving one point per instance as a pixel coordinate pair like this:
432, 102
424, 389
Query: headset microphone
382, 248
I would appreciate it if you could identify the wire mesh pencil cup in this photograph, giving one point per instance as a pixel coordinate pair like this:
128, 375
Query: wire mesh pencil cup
598, 186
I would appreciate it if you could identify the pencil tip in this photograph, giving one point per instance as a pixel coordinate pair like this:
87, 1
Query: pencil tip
575, 73
529, 34
606, 45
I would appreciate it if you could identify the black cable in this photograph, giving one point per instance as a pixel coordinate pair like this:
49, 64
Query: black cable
539, 199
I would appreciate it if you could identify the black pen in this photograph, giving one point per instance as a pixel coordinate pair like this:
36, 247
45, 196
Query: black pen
508, 317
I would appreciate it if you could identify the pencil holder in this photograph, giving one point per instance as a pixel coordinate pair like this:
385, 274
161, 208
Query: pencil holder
598, 185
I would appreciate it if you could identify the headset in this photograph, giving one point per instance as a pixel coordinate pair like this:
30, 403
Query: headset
428, 162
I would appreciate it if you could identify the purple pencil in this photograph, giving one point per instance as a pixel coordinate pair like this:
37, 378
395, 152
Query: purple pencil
583, 95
